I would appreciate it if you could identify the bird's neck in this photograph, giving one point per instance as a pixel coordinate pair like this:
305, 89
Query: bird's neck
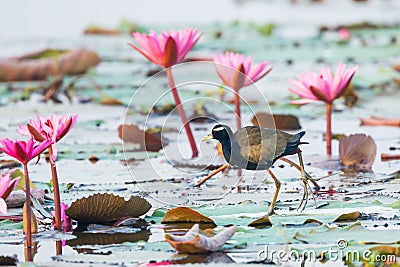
226, 149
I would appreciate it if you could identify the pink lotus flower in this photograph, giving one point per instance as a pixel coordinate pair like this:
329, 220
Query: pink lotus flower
230, 65
322, 87
166, 49
235, 71
7, 185
52, 129
23, 151
65, 220
3, 207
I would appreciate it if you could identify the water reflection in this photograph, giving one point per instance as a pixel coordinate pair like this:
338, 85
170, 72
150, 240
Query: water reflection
88, 239
215, 257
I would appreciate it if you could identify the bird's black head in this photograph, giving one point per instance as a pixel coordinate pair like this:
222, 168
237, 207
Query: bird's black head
220, 132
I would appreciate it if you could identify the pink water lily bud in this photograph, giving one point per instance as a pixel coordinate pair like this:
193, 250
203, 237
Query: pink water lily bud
313, 87
230, 67
166, 49
65, 220
23, 151
7, 184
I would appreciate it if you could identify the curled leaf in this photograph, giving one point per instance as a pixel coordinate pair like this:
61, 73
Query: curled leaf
39, 65
106, 209
276, 121
357, 151
378, 121
195, 242
261, 223
348, 217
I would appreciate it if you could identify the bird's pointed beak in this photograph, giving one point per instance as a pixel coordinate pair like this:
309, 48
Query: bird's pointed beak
208, 137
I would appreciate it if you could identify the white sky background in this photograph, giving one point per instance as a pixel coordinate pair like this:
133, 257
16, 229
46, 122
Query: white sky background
63, 18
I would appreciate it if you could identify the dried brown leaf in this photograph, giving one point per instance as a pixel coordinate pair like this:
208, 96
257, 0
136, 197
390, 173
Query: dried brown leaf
276, 121
357, 151
39, 65
146, 140
187, 215
377, 121
106, 208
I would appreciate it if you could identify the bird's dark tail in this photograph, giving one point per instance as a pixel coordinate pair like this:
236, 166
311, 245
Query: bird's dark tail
299, 135
293, 145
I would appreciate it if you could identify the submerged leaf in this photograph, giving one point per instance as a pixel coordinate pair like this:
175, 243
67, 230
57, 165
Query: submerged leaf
358, 151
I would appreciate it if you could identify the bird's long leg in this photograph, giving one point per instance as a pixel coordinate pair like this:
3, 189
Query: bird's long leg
317, 187
220, 169
305, 183
277, 188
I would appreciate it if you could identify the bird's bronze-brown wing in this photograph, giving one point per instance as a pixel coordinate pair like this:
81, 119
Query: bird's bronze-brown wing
261, 145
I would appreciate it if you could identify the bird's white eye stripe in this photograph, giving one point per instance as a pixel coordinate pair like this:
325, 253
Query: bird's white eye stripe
218, 129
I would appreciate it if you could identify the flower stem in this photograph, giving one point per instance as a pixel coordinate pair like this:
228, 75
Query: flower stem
28, 212
237, 110
58, 247
57, 202
182, 114
328, 135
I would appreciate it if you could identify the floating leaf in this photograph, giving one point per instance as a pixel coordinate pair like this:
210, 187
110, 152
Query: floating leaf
17, 198
186, 215
106, 208
110, 101
350, 96
357, 151
261, 223
10, 225
9, 164
348, 217
276, 121
93, 159
202, 115
378, 121
396, 205
147, 141
39, 65
21, 182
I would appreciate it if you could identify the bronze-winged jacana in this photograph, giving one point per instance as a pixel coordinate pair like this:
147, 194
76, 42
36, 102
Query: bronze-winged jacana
255, 148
